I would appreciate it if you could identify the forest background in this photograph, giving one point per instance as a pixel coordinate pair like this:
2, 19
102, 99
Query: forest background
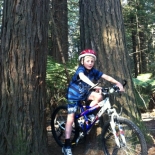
40, 43
140, 44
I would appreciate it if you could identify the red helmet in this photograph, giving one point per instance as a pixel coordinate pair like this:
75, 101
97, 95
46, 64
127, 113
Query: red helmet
87, 52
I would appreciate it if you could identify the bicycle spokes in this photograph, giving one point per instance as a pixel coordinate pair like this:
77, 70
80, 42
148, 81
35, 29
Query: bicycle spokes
130, 139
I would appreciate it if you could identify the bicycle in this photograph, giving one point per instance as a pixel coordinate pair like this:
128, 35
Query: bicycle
120, 136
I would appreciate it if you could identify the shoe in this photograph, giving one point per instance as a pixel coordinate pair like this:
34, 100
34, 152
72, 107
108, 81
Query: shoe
66, 151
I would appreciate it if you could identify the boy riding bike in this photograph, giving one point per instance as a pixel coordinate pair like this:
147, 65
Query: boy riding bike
78, 90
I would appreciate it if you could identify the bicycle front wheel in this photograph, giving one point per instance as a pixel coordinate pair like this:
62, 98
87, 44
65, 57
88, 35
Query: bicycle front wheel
135, 141
58, 121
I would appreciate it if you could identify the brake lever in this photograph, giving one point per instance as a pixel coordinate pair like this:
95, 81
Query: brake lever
124, 82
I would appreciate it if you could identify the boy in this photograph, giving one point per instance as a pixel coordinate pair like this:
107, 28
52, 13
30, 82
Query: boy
78, 90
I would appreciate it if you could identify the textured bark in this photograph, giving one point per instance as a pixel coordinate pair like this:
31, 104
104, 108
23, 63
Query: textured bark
23, 70
135, 54
143, 52
102, 29
59, 13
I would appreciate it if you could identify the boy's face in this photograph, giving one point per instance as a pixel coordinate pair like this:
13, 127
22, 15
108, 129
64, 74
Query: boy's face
88, 62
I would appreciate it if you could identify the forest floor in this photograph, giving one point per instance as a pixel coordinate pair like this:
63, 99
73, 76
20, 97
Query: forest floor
148, 119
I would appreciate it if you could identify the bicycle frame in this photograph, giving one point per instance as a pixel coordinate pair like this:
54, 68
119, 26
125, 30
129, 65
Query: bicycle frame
84, 113
103, 105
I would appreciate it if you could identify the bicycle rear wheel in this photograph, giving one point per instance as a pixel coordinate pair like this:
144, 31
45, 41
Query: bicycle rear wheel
135, 141
58, 121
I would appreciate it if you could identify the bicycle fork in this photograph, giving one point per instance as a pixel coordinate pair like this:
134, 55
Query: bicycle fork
118, 132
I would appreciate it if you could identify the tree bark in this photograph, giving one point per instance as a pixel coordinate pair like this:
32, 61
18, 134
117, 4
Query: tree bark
23, 71
102, 29
59, 13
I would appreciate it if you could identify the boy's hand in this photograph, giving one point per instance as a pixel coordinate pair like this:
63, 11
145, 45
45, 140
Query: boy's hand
120, 86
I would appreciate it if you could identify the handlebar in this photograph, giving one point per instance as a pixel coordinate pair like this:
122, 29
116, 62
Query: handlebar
113, 89
110, 90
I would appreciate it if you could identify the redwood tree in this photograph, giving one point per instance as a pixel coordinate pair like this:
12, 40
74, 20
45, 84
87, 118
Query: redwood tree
102, 29
58, 42
23, 68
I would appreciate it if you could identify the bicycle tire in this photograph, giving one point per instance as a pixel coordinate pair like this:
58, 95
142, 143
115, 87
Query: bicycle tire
58, 121
135, 141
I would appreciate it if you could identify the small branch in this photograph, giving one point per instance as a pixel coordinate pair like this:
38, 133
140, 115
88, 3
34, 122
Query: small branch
137, 52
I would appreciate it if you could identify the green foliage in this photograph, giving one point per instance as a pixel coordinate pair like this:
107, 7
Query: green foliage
145, 85
56, 78
139, 17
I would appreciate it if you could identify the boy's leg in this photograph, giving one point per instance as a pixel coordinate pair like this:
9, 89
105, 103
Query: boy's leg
95, 97
68, 128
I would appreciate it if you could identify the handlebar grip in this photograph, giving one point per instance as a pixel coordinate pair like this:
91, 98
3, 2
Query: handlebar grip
116, 88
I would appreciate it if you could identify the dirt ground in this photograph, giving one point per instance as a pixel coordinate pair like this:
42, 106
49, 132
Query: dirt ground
149, 121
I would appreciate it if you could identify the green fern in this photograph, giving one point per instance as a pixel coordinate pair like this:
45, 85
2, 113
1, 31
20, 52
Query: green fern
56, 78
145, 85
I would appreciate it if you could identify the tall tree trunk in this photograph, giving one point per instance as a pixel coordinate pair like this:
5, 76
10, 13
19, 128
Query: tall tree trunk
59, 13
143, 52
23, 71
102, 29
135, 54
134, 48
